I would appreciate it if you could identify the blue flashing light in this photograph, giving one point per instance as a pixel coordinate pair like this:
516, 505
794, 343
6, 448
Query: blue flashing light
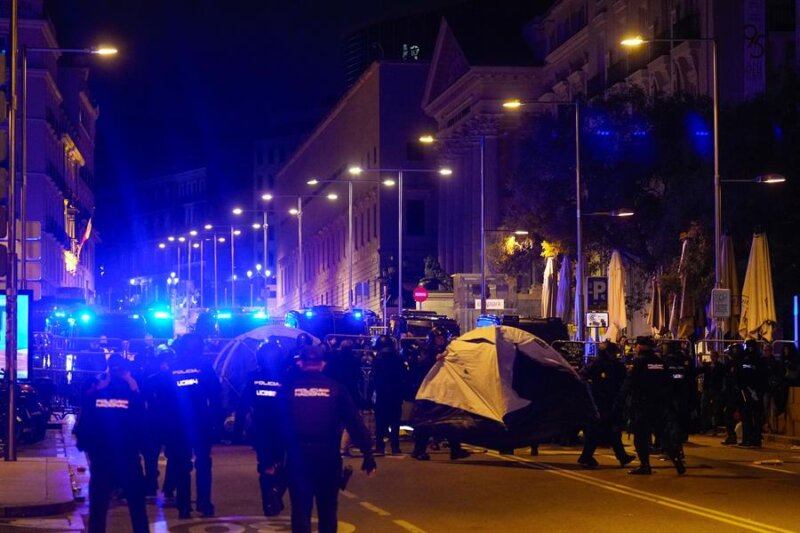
358, 315
260, 315
602, 133
60, 314
161, 315
701, 133
85, 317
71, 321
309, 313
639, 133
224, 315
135, 317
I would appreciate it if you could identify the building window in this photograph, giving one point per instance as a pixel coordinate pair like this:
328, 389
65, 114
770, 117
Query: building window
415, 218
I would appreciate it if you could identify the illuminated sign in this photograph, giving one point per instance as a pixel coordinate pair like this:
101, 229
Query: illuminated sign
23, 328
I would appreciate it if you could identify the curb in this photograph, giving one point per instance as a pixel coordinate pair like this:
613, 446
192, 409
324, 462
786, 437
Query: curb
39, 509
782, 439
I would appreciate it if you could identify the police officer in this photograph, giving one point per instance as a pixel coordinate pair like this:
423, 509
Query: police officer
751, 379
731, 395
316, 408
647, 385
263, 394
605, 376
195, 405
681, 372
110, 430
156, 393
390, 376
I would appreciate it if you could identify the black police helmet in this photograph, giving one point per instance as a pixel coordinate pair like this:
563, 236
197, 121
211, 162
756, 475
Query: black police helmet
267, 350
304, 339
312, 354
382, 342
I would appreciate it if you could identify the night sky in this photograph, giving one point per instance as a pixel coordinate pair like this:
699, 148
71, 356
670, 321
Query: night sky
197, 81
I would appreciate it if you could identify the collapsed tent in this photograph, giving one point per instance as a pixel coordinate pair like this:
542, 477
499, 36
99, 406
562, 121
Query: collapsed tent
238, 357
500, 387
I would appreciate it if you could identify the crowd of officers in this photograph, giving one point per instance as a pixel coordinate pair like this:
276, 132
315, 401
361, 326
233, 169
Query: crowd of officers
300, 398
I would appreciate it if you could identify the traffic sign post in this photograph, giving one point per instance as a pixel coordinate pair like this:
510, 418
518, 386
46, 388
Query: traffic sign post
720, 303
597, 294
420, 295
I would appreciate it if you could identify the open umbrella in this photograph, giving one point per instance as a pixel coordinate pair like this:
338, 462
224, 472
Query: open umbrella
238, 357
500, 386
758, 300
549, 288
617, 317
564, 296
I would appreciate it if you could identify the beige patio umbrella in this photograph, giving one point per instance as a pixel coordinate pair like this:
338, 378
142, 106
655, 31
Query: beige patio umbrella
758, 300
730, 280
617, 317
549, 288
658, 312
564, 296
683, 317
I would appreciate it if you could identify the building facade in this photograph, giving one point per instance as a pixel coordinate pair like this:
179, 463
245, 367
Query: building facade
376, 124
61, 122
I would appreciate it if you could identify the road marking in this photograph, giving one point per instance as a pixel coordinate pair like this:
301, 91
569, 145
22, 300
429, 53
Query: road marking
348, 494
626, 490
781, 470
375, 509
408, 526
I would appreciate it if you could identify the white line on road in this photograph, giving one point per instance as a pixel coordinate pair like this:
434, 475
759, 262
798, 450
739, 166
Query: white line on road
626, 490
375, 509
781, 470
350, 495
408, 526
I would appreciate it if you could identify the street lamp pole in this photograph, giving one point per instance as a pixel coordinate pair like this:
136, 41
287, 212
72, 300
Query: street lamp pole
216, 287
483, 224
300, 275
233, 267
350, 251
265, 260
202, 272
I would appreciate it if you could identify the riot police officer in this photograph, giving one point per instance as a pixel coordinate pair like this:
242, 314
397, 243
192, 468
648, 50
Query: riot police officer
263, 394
605, 376
390, 375
195, 404
110, 430
316, 409
681, 394
731, 394
156, 391
751, 379
647, 385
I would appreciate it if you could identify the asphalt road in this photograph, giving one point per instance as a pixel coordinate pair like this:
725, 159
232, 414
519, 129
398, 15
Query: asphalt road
725, 489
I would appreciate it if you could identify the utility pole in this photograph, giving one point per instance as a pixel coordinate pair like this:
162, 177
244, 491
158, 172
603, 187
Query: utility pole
11, 275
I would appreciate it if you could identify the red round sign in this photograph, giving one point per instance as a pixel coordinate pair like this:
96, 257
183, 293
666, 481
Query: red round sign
420, 294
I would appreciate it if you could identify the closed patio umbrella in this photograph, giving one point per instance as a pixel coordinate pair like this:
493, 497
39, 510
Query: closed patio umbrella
564, 297
549, 288
758, 300
617, 317
730, 280
657, 313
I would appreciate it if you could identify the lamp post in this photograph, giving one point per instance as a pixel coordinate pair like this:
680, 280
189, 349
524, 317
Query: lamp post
264, 226
350, 241
356, 170
23, 208
298, 212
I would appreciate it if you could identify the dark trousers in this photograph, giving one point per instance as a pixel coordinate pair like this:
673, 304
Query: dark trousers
179, 454
731, 407
592, 435
648, 423
422, 437
151, 473
711, 409
107, 476
752, 419
272, 486
314, 477
387, 421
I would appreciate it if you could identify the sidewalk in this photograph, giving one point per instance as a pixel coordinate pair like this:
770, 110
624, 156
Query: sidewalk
39, 483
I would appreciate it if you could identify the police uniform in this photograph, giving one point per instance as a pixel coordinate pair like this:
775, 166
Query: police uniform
605, 375
317, 407
681, 399
390, 375
194, 406
263, 396
648, 386
110, 430
750, 374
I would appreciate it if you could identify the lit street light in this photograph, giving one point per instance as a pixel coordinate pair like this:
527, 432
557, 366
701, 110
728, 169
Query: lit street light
356, 171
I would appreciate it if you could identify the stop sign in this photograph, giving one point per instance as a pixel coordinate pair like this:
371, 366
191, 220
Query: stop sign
420, 294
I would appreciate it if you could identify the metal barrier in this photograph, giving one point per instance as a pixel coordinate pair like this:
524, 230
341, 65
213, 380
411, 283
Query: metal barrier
577, 353
706, 346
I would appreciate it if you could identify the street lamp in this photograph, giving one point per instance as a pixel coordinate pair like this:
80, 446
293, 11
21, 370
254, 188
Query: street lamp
23, 208
517, 104
356, 171
298, 212
350, 241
